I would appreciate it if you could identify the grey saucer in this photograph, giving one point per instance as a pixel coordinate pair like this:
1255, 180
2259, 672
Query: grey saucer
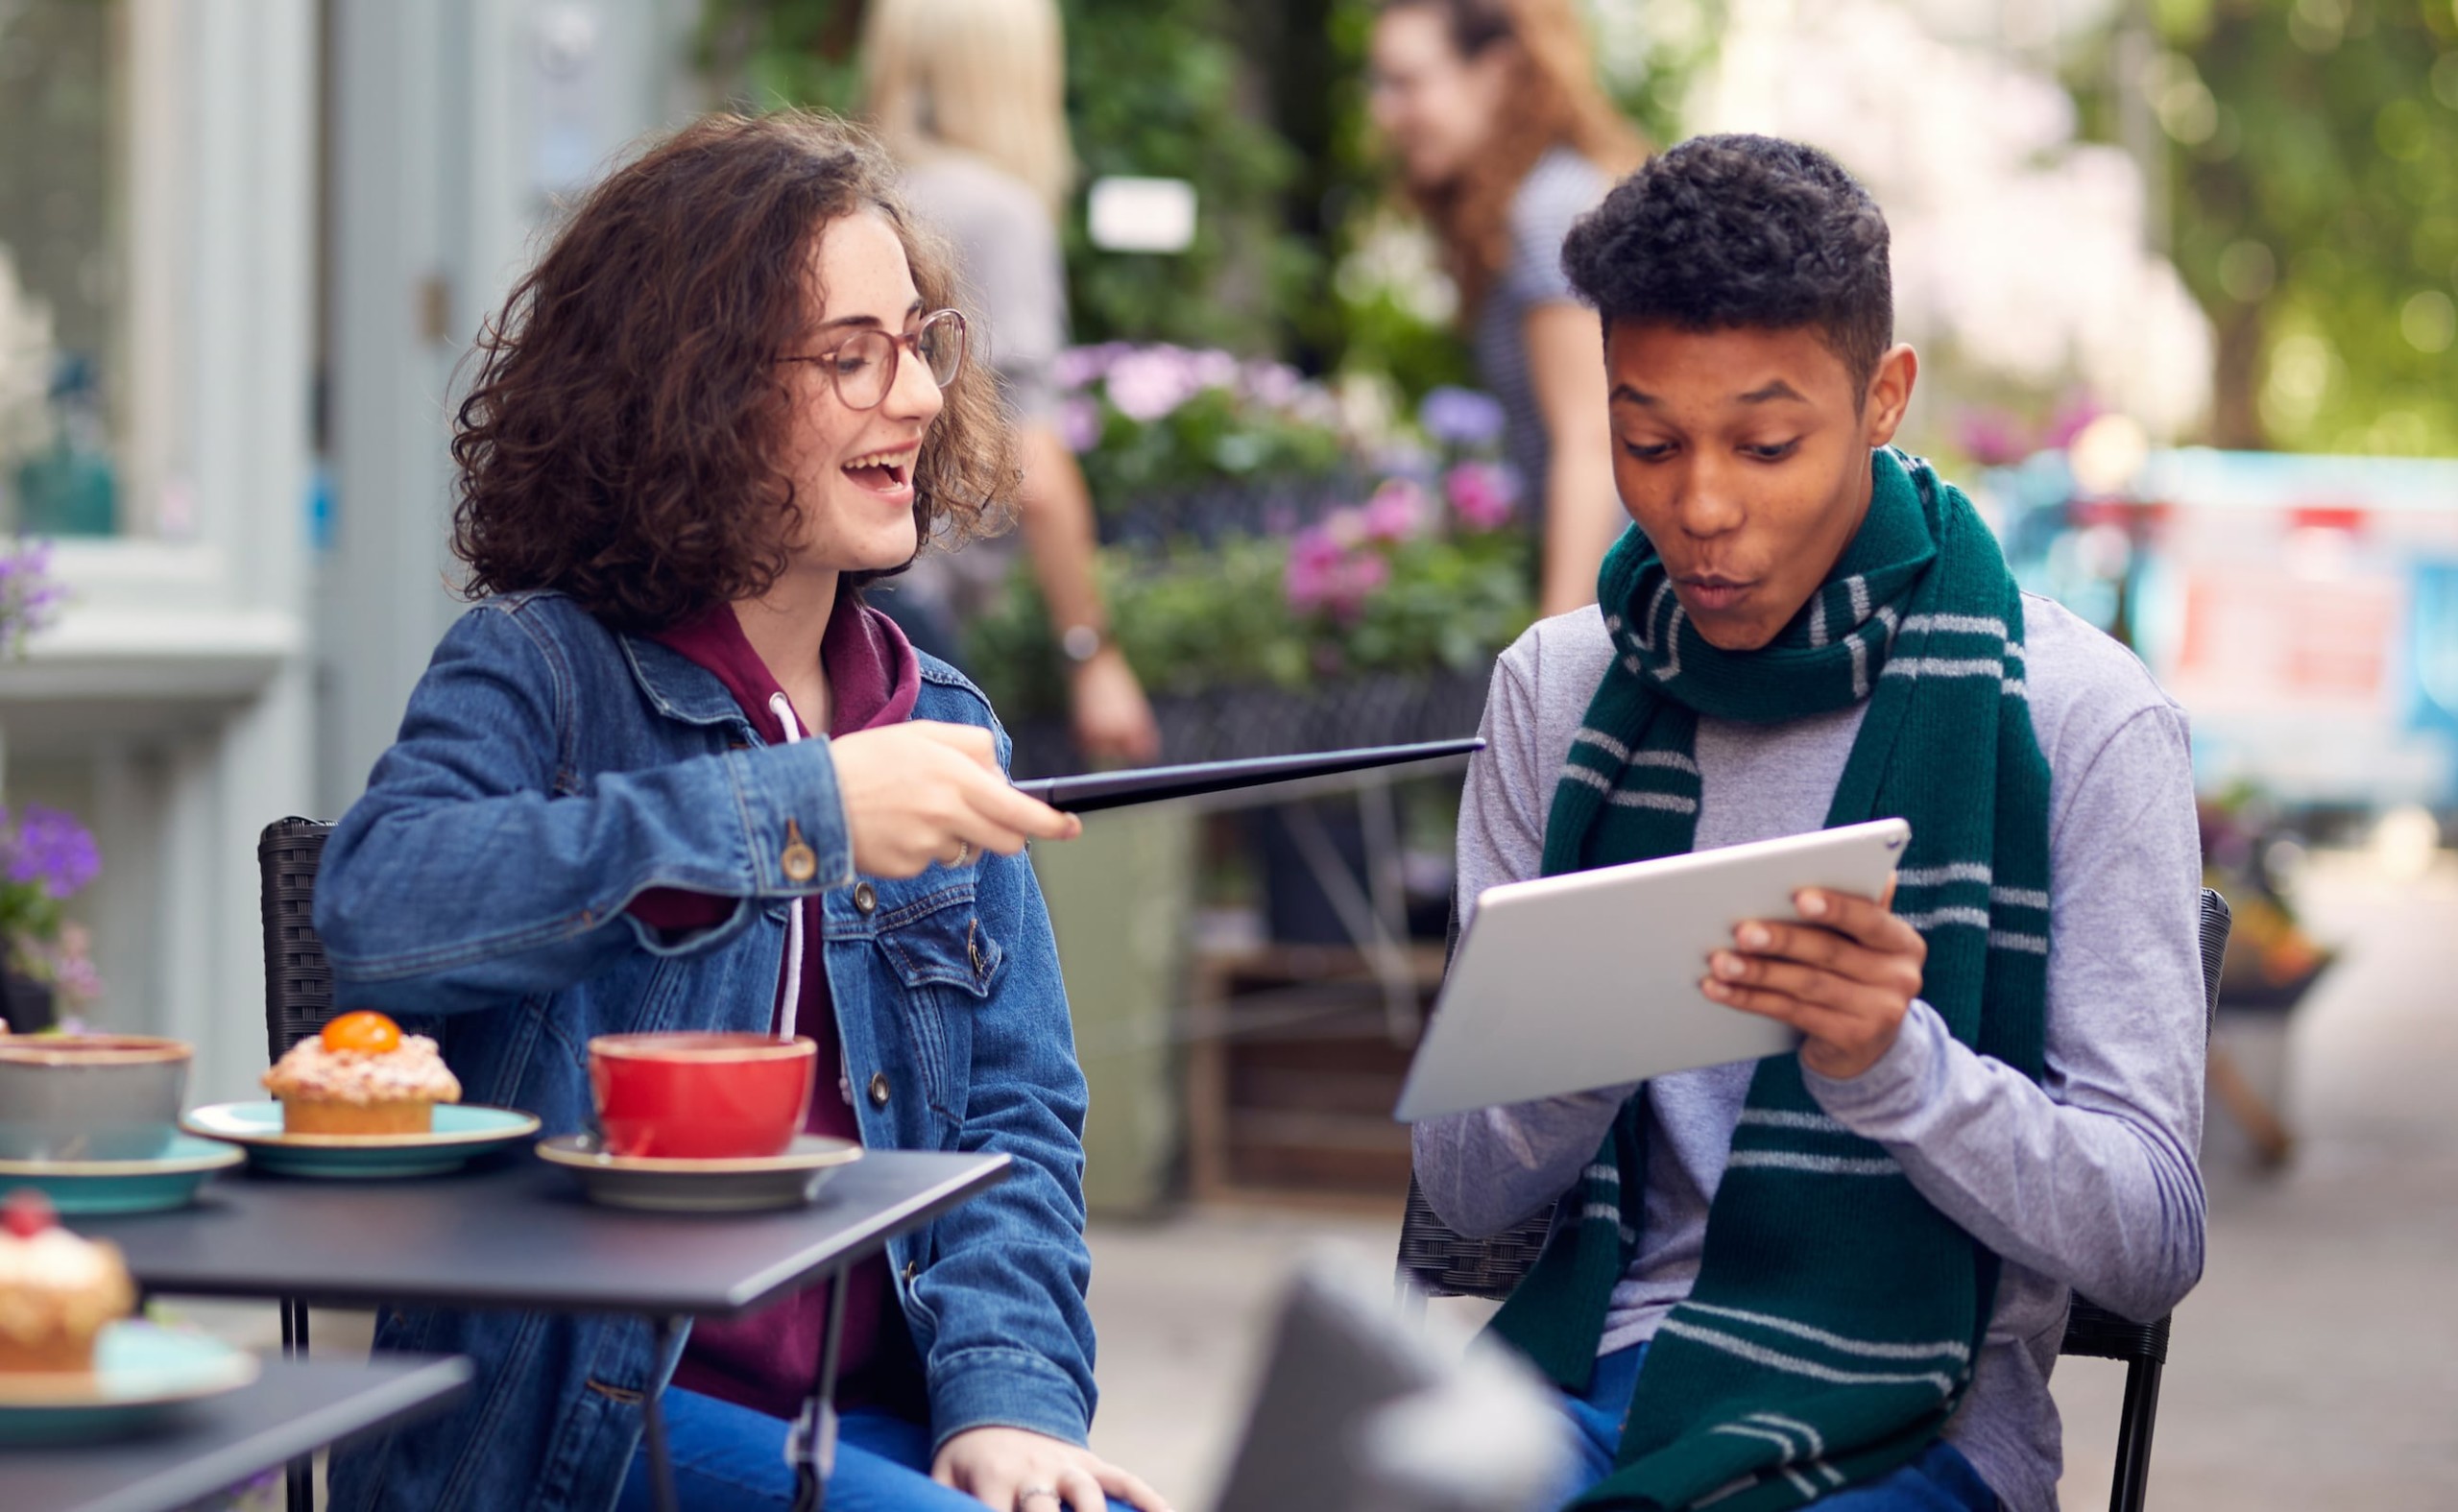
746, 1184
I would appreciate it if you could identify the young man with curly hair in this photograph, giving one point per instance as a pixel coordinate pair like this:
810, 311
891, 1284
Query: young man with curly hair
1838, 1275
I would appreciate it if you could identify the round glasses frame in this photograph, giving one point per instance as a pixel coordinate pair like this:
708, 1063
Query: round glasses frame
863, 367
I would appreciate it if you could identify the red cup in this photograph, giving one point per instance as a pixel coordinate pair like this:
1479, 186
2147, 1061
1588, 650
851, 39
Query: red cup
700, 1096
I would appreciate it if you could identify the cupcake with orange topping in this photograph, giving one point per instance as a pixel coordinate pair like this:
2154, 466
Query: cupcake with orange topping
57, 1291
362, 1075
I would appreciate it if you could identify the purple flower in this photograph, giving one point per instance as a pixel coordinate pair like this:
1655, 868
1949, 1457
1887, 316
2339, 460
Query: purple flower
1274, 385
1481, 493
1079, 423
53, 849
29, 595
1078, 366
1462, 417
1398, 509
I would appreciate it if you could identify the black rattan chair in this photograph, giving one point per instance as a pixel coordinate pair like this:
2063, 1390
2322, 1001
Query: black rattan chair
299, 998
1437, 1262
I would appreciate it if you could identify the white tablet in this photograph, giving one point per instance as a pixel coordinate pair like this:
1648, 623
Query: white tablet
1591, 979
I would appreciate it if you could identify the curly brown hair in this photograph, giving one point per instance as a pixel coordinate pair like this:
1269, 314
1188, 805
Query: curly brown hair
1555, 101
622, 441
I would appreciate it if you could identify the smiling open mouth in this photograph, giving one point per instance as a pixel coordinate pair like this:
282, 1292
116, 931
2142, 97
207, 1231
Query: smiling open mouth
882, 472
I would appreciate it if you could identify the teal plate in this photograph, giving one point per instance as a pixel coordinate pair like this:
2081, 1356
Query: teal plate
91, 1188
461, 1133
139, 1373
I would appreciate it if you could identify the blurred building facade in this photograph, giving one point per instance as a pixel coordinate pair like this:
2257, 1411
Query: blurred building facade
247, 244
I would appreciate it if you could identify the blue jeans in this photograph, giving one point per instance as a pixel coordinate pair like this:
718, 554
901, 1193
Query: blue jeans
729, 1458
1939, 1481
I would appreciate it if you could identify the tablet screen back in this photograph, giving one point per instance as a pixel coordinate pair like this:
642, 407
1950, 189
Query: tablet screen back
1591, 979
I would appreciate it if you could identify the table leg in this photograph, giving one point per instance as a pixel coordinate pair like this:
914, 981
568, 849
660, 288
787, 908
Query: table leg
812, 1445
653, 1422
298, 1476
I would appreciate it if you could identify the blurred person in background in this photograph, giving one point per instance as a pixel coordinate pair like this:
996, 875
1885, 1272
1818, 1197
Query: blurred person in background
1504, 138
970, 95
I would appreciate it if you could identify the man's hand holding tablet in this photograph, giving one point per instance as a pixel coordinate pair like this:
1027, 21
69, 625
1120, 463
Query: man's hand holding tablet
1594, 978
1844, 974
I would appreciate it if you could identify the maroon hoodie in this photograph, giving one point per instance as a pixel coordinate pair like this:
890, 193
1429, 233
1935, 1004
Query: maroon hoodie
769, 1360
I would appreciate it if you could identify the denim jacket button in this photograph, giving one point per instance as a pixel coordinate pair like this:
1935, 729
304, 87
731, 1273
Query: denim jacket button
878, 1088
865, 898
911, 1269
800, 861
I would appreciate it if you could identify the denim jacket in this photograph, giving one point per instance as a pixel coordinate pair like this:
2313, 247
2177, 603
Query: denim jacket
547, 772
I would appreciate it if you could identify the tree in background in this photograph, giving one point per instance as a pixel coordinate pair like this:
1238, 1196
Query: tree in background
2315, 198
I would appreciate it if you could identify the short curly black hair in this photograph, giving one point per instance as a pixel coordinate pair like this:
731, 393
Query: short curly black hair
1739, 231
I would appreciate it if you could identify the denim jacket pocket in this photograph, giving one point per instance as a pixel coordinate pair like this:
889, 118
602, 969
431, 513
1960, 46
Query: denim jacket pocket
947, 962
948, 947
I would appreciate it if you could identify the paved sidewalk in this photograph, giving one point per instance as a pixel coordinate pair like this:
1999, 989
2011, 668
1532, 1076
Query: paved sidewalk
2316, 1366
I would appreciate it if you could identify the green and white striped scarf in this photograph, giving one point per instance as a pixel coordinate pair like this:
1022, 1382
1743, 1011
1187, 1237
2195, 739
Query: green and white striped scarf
1837, 1315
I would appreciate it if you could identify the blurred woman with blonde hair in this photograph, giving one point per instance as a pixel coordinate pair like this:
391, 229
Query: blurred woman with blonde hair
1502, 138
971, 97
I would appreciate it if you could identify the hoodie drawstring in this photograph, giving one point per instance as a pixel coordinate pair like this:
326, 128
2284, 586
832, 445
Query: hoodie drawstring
792, 990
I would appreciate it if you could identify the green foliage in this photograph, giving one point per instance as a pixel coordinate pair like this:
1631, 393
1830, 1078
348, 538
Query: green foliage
1262, 104
2315, 164
1219, 435
1188, 618
1154, 87
1453, 602
1192, 617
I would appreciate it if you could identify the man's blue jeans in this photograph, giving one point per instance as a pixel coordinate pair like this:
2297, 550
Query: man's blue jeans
729, 1458
1939, 1481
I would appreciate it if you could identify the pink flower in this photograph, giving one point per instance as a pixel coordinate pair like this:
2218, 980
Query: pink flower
72, 966
1326, 575
1274, 385
1147, 382
1483, 494
2077, 412
1314, 569
1991, 437
1398, 511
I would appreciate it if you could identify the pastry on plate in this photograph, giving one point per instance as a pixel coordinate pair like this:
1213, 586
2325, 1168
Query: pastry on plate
56, 1291
362, 1075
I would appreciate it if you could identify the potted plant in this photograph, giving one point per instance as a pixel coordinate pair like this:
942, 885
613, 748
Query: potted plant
45, 855
1273, 623
46, 962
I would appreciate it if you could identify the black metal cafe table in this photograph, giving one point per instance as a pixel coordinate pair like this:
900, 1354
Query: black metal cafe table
515, 1233
202, 1448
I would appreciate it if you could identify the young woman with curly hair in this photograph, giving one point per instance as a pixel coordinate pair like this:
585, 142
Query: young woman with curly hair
1502, 138
670, 773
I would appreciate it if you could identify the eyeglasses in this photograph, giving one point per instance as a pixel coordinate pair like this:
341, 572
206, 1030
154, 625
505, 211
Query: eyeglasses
863, 366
